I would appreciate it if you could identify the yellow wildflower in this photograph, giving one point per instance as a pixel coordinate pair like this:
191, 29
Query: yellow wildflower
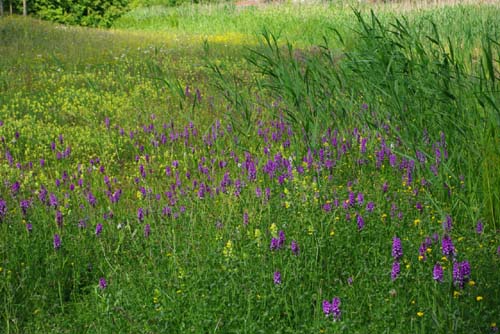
273, 229
228, 249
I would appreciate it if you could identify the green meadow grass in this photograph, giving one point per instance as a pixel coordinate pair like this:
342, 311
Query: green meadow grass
305, 24
181, 156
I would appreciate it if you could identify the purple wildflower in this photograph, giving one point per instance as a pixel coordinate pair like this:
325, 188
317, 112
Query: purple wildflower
245, 218
29, 227
59, 218
335, 308
479, 227
91, 199
326, 307
396, 268
370, 206
281, 238
98, 229
277, 277
422, 250
25, 204
350, 280
437, 273
57, 241
102, 283
448, 224
397, 249
332, 308
352, 198
140, 214
15, 187
461, 273
447, 246
363, 145
295, 247
274, 244
147, 230
360, 198
360, 222
53, 200
3, 209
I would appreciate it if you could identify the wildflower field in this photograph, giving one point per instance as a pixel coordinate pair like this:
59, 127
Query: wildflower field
274, 169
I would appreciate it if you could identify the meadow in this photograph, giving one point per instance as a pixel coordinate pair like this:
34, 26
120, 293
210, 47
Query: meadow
267, 169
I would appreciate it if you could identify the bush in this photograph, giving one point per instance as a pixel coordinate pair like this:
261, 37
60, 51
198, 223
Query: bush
93, 13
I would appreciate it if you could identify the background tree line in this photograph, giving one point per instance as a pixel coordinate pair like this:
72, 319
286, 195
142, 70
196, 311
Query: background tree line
95, 13
92, 13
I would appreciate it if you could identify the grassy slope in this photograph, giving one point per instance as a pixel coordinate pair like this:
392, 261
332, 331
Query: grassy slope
68, 80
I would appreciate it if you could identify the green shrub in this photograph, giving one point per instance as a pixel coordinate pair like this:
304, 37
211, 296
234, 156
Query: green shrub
94, 13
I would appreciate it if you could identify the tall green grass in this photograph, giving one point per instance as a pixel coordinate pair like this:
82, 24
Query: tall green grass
305, 24
413, 73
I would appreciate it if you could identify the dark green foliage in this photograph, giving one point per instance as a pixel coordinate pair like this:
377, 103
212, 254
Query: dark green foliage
93, 13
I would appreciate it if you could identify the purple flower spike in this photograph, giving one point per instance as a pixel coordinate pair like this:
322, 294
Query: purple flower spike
140, 214
461, 273
295, 248
102, 283
397, 250
360, 222
448, 223
332, 308
98, 229
3, 209
336, 308
437, 273
59, 218
479, 227
447, 246
326, 307
274, 244
360, 199
277, 277
57, 241
281, 239
147, 230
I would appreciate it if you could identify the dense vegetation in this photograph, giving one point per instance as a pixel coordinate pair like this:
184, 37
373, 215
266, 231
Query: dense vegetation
90, 13
219, 169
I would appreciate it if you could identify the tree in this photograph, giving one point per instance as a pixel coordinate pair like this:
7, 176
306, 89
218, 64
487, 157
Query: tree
25, 8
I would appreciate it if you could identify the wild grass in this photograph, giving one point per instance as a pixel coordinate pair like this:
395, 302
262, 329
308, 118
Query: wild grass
305, 24
199, 180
